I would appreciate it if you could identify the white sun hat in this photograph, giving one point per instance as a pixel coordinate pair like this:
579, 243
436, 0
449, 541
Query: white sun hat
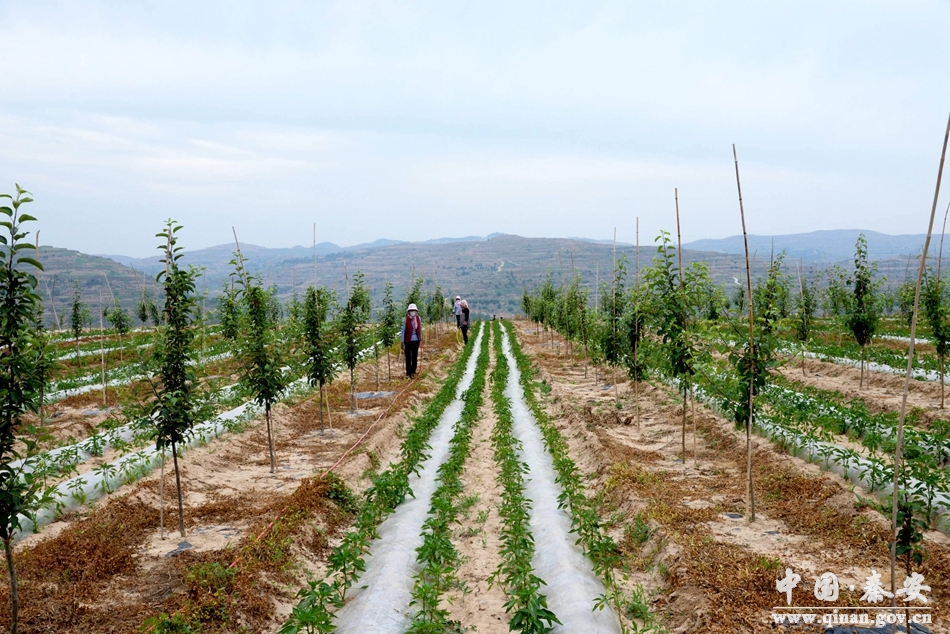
412, 307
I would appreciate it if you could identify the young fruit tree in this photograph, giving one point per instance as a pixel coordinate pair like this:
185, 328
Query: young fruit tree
229, 312
352, 327
864, 309
22, 351
672, 319
319, 342
389, 325
78, 314
259, 350
175, 387
804, 313
935, 309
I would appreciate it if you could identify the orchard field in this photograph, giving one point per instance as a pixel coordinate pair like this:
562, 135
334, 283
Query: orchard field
645, 456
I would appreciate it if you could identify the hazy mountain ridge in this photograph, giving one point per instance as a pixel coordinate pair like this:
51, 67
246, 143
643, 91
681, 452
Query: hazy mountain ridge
826, 245
491, 271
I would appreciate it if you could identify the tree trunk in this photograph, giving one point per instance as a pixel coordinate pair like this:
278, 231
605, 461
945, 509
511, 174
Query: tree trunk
941, 382
389, 366
377, 367
352, 391
14, 590
748, 448
320, 404
803, 361
692, 415
270, 439
636, 391
181, 511
861, 379
684, 427
161, 498
326, 396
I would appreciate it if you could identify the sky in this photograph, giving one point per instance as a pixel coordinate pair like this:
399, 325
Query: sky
418, 120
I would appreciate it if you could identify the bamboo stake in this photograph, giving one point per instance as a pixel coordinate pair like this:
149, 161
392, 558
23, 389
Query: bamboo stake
636, 379
750, 502
613, 292
102, 351
240, 257
910, 367
315, 255
679, 254
801, 292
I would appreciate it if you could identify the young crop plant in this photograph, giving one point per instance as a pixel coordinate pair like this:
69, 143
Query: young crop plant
259, 348
319, 342
438, 558
587, 524
864, 311
389, 325
526, 604
174, 408
352, 327
21, 379
78, 314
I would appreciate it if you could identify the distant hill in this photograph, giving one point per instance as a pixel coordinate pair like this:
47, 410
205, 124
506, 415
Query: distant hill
97, 277
490, 272
828, 246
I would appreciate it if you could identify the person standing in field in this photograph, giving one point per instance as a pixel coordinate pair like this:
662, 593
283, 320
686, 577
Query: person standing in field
463, 322
410, 338
457, 311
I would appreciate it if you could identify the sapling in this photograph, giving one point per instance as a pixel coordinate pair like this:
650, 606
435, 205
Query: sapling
935, 309
805, 311
319, 342
260, 352
174, 406
612, 340
389, 325
672, 320
864, 309
78, 314
22, 351
352, 322
229, 312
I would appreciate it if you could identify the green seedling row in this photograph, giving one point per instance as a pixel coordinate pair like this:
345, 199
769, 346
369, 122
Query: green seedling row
587, 524
526, 605
314, 611
438, 558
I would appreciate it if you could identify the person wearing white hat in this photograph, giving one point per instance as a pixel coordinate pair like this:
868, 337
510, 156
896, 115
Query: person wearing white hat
464, 321
410, 338
457, 311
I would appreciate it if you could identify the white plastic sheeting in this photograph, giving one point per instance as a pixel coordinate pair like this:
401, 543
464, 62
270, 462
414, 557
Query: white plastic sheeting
917, 373
123, 378
850, 466
572, 586
379, 603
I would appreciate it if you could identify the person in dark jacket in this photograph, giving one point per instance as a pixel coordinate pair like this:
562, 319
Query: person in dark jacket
457, 311
463, 323
411, 338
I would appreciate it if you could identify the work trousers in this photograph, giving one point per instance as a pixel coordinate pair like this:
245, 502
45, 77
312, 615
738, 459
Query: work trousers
412, 357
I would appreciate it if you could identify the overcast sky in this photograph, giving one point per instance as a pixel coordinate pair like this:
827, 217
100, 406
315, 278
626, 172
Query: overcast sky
417, 120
